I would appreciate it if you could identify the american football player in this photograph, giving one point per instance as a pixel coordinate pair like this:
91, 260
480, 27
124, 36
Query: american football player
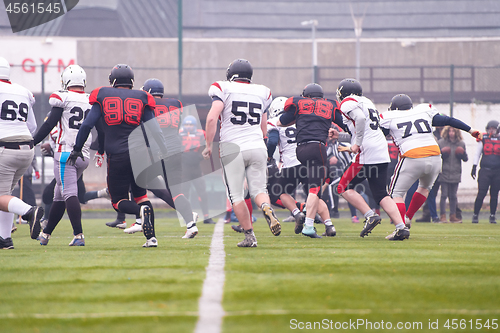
242, 107
313, 115
69, 108
123, 110
17, 125
488, 151
420, 156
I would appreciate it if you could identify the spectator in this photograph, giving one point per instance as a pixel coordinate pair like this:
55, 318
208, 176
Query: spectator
453, 153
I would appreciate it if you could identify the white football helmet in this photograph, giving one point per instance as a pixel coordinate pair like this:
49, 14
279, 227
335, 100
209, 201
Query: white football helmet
4, 69
73, 75
277, 107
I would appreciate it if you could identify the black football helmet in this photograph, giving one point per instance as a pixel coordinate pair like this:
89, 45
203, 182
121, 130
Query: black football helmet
154, 87
239, 70
349, 87
401, 102
492, 124
313, 90
121, 76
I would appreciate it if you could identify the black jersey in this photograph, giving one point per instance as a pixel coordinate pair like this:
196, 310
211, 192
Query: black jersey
168, 112
313, 117
491, 152
122, 111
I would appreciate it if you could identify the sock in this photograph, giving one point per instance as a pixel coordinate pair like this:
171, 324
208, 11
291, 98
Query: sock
309, 222
55, 215
402, 209
328, 222
249, 205
183, 206
138, 220
369, 214
129, 207
75, 214
18, 206
91, 195
295, 211
6, 220
47, 210
416, 202
400, 226
120, 216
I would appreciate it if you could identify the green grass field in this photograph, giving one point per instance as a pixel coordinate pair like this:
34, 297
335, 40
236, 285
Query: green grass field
443, 272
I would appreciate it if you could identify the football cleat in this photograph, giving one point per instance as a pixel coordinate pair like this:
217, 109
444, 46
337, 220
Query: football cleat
493, 219
289, 219
370, 224
14, 228
152, 242
135, 227
33, 216
147, 225
271, 219
191, 232
6, 244
249, 241
475, 218
77, 241
237, 228
329, 231
310, 232
399, 234
208, 221
44, 238
117, 224
300, 218
354, 219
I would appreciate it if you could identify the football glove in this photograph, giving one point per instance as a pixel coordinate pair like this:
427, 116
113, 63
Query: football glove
473, 171
99, 159
73, 156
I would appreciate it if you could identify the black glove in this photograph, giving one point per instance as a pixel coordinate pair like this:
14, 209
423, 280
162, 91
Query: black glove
74, 156
473, 172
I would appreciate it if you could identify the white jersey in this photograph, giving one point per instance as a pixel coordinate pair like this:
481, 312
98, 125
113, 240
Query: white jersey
373, 149
244, 105
411, 130
17, 118
75, 107
287, 142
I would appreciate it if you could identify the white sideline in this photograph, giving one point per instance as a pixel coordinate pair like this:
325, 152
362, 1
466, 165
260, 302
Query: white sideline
210, 305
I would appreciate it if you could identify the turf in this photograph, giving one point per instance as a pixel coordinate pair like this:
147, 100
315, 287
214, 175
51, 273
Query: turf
112, 284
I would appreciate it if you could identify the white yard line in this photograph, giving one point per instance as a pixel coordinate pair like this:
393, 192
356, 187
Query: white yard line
210, 305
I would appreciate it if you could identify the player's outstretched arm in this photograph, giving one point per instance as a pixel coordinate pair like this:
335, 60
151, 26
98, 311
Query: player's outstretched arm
442, 120
51, 121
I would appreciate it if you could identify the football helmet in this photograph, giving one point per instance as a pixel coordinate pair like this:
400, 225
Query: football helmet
4, 69
277, 107
349, 87
313, 90
239, 70
400, 102
189, 120
73, 75
154, 87
492, 124
121, 76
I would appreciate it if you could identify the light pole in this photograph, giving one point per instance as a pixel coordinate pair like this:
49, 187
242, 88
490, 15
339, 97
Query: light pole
358, 29
313, 24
